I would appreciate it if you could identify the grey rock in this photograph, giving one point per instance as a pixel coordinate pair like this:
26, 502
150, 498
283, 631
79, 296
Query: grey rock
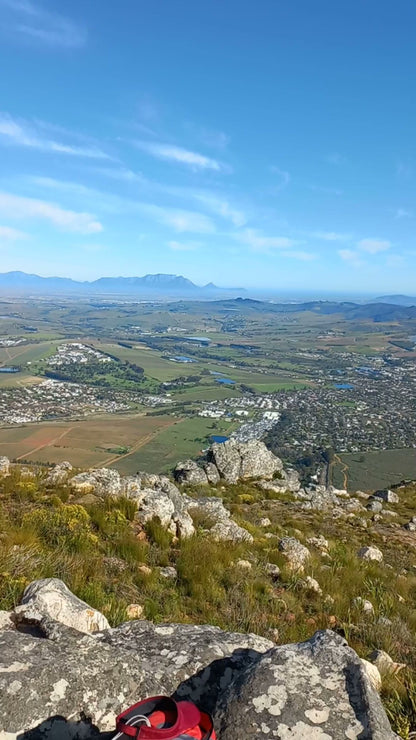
310, 584
273, 570
390, 497
191, 473
374, 505
168, 572
295, 553
4, 465
370, 553
59, 474
152, 504
264, 522
385, 664
58, 671
51, 597
318, 689
411, 525
243, 460
212, 473
363, 605
226, 457
224, 528
101, 481
6, 620
319, 543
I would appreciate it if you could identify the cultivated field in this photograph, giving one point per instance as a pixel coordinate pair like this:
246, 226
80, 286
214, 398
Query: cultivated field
99, 441
371, 470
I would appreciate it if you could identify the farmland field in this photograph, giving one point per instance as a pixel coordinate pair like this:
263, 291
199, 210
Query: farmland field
85, 443
372, 470
186, 438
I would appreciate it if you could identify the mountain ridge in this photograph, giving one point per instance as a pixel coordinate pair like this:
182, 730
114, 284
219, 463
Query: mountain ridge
18, 281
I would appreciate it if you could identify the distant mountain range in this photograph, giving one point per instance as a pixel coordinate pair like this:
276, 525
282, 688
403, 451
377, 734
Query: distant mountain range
162, 285
397, 300
377, 312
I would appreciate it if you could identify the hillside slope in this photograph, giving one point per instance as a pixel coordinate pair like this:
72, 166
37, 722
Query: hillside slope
276, 560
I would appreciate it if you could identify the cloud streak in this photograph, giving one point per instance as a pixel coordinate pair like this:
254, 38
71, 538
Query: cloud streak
330, 236
23, 134
7, 234
26, 20
178, 155
373, 246
20, 208
258, 242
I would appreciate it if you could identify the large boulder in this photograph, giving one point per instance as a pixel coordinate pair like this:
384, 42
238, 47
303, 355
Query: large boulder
370, 553
189, 472
226, 458
100, 481
59, 474
257, 460
56, 681
52, 671
318, 689
51, 597
390, 497
244, 460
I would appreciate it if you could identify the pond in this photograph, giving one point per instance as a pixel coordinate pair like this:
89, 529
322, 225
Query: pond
182, 358
9, 370
218, 438
225, 381
344, 386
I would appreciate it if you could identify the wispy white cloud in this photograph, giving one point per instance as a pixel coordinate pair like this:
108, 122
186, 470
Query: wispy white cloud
284, 177
351, 257
7, 234
183, 246
258, 242
25, 19
403, 213
177, 154
220, 206
374, 246
24, 134
214, 202
330, 236
19, 208
177, 219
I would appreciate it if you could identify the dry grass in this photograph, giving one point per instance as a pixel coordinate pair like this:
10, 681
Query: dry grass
99, 552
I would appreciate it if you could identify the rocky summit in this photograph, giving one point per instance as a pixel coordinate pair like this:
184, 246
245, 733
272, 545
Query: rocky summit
57, 681
109, 585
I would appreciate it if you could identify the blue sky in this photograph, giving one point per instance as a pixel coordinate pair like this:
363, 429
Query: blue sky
266, 143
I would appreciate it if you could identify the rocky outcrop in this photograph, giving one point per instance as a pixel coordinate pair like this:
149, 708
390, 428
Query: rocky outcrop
190, 472
59, 474
56, 680
230, 461
318, 689
51, 597
4, 466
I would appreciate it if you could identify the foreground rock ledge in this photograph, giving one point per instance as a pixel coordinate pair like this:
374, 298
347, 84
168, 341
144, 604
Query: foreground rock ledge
58, 682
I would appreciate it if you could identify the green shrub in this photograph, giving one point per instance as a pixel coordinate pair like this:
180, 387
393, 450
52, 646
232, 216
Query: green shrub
68, 526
